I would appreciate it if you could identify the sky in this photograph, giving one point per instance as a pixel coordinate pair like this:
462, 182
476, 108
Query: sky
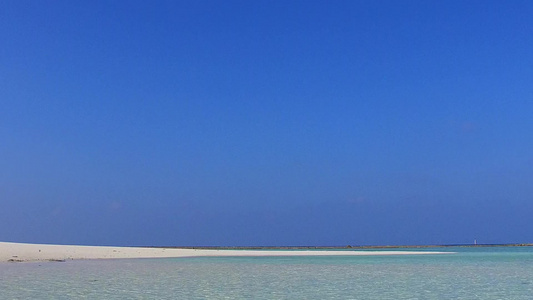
255, 123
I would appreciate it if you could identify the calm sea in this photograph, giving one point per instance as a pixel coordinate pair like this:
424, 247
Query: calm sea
471, 273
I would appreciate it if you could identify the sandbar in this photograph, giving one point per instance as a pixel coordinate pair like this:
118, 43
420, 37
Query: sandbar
21, 252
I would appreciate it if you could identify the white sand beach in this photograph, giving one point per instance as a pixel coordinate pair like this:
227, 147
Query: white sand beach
20, 252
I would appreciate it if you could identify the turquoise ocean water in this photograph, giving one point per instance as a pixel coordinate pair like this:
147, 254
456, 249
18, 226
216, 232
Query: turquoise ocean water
471, 273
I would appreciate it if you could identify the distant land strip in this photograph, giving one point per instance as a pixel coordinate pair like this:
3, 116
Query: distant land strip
339, 247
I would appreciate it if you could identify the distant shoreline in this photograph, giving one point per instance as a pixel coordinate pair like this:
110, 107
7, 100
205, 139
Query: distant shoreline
339, 247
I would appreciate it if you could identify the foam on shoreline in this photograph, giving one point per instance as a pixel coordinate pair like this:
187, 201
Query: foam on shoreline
20, 252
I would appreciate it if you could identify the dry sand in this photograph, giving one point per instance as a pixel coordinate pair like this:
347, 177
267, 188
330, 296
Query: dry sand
18, 252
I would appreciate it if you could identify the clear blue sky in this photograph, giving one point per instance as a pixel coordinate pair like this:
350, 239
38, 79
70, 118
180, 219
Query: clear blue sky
266, 122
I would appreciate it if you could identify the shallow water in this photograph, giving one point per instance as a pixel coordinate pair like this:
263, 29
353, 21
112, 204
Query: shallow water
471, 273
